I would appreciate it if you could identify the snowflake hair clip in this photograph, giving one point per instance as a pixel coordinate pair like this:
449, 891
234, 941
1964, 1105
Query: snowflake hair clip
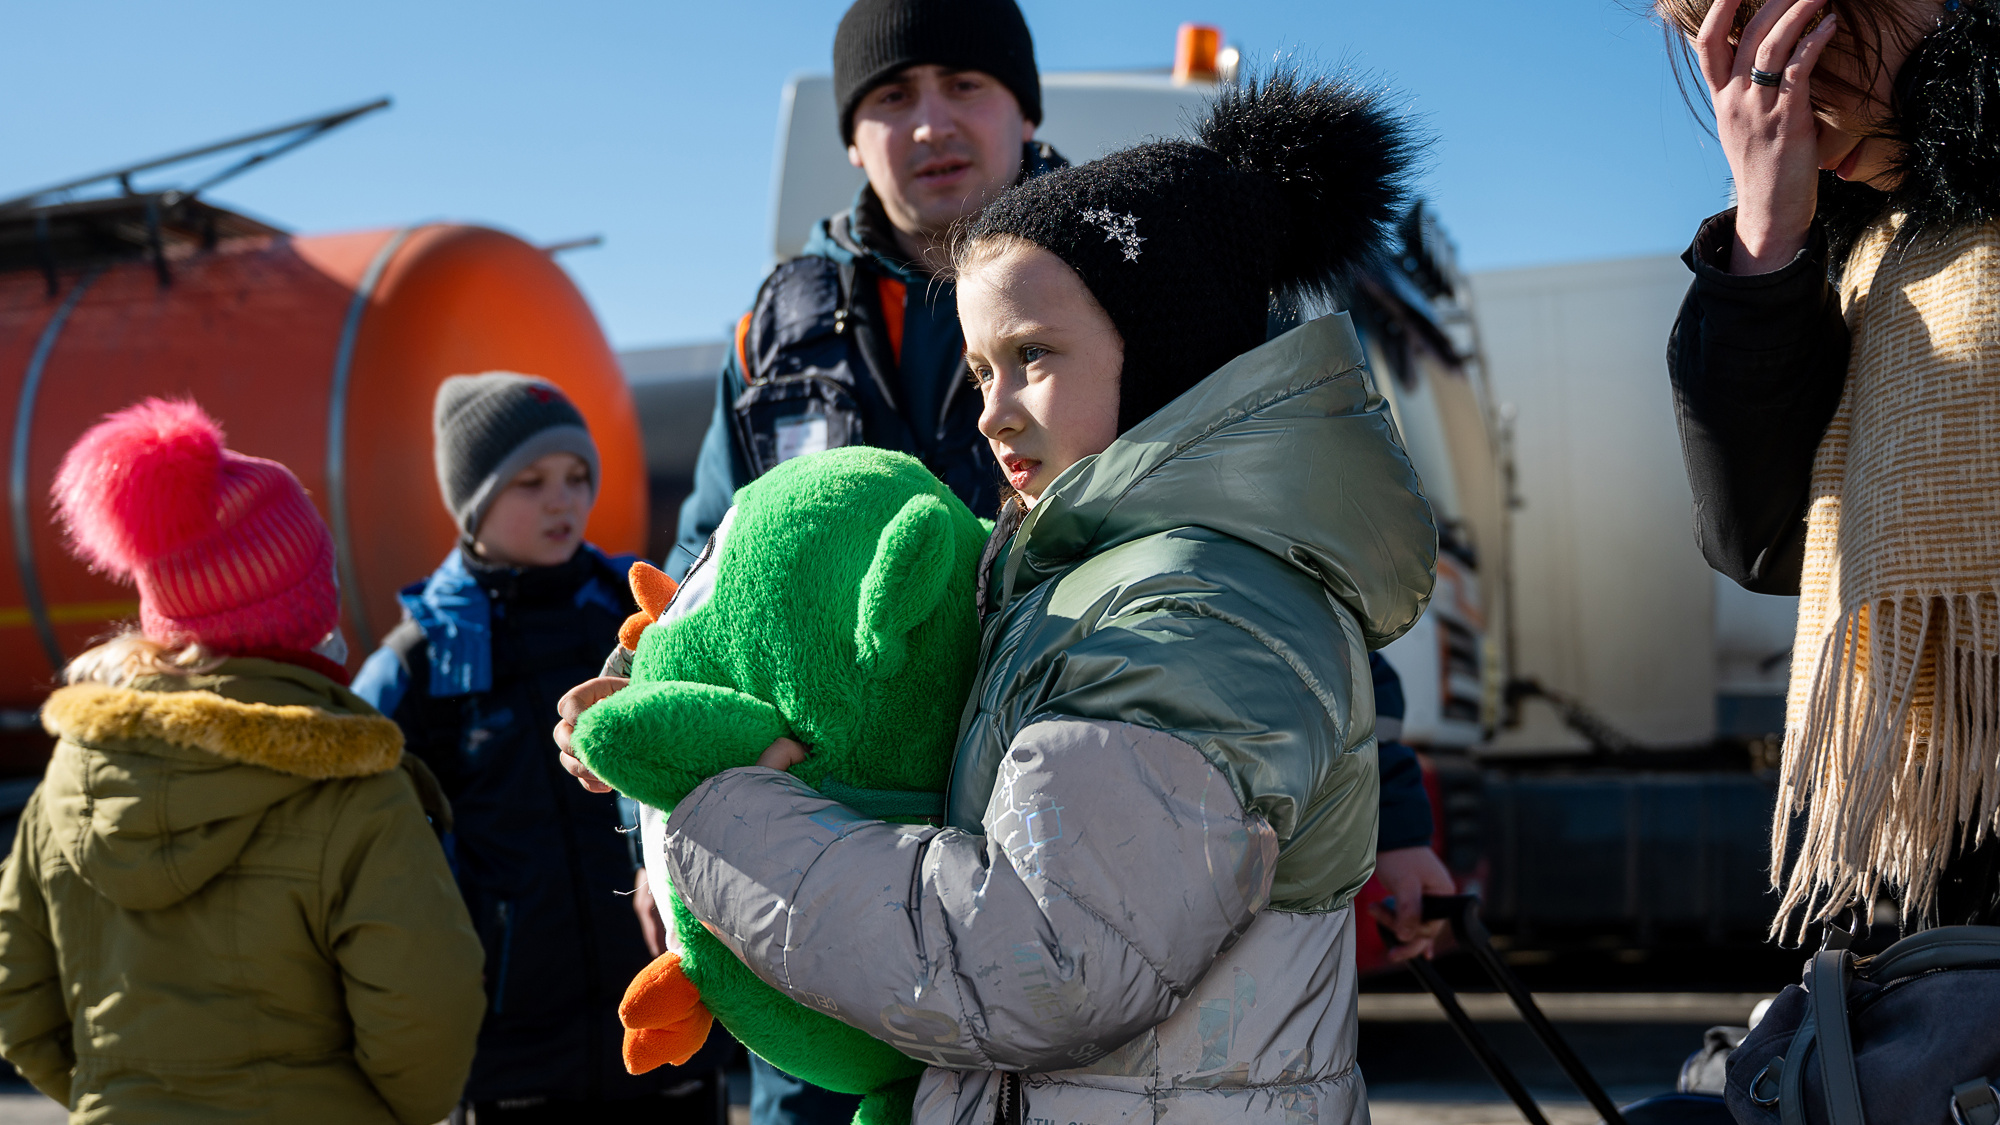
1122, 229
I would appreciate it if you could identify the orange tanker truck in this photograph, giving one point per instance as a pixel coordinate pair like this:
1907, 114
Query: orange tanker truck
320, 351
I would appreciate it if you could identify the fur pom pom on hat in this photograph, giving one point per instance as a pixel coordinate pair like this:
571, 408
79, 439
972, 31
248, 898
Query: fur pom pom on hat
225, 549
1292, 182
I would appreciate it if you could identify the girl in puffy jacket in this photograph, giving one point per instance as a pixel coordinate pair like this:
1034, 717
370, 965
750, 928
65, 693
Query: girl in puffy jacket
225, 901
1164, 793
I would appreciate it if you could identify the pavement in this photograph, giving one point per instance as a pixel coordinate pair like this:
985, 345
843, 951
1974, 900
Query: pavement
1419, 1073
1474, 1113
34, 1109
1706, 1008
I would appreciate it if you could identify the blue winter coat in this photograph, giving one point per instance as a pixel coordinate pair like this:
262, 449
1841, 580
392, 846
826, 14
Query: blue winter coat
472, 676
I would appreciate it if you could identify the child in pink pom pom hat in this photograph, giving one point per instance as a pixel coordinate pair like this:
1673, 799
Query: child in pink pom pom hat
227, 550
226, 898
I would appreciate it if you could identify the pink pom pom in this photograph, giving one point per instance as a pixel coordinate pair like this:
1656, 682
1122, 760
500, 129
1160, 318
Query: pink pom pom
140, 484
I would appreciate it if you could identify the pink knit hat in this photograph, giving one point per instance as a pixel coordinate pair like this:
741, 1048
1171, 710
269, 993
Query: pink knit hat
225, 549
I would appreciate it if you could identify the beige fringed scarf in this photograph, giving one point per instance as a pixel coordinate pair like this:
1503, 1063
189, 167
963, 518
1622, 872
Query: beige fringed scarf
1892, 732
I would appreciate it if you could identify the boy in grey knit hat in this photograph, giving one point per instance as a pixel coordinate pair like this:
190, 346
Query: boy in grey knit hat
520, 610
490, 427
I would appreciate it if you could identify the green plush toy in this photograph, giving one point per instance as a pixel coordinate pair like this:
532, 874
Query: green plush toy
834, 606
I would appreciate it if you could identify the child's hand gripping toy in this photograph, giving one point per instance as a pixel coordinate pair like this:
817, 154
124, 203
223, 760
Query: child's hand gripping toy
835, 605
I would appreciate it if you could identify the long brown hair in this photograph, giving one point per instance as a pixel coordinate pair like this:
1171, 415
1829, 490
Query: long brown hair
1864, 26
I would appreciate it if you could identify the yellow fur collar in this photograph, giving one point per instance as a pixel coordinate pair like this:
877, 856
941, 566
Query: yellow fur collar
301, 741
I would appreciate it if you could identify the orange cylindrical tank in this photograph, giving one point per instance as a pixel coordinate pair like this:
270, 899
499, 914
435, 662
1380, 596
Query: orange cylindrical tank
319, 352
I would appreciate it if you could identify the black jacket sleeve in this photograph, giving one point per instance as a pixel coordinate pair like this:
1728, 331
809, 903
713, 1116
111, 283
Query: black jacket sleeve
431, 727
1757, 363
719, 470
1405, 807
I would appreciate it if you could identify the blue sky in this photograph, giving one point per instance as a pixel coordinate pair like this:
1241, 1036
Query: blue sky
1560, 133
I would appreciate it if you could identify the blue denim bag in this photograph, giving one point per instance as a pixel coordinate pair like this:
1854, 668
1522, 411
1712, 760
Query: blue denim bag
1910, 1036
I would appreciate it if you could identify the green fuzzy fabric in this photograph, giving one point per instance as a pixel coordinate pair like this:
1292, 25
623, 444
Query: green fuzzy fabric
843, 616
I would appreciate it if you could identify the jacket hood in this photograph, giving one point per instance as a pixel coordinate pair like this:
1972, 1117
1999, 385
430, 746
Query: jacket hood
833, 239
154, 789
454, 608
1287, 448
843, 238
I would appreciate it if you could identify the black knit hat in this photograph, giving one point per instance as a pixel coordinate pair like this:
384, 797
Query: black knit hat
1292, 182
879, 38
486, 428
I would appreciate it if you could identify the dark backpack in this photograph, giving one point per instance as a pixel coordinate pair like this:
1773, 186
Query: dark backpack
1910, 1036
820, 373
816, 366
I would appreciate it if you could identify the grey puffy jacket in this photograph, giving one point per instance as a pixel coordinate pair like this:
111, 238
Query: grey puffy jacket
1172, 730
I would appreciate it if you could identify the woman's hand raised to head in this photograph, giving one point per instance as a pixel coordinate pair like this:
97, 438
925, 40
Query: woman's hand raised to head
574, 703
1768, 130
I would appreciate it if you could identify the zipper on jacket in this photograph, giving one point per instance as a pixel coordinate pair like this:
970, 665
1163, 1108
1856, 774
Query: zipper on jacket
1007, 1107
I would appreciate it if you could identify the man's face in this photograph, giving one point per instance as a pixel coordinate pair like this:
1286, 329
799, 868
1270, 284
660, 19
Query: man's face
938, 145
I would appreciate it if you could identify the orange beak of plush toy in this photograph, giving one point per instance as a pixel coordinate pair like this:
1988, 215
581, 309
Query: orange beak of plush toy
665, 1020
654, 592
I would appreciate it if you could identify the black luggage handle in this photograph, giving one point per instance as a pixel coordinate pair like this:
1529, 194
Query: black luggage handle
1462, 911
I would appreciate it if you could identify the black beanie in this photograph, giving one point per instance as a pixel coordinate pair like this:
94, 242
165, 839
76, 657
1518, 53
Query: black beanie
1291, 183
879, 38
486, 428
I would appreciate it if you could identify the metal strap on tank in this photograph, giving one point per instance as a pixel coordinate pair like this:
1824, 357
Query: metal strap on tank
17, 470
336, 435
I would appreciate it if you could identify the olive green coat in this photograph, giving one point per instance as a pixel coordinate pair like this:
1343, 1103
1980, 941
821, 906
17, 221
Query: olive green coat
224, 904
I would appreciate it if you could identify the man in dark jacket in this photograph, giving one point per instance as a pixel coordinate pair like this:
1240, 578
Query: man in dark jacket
856, 342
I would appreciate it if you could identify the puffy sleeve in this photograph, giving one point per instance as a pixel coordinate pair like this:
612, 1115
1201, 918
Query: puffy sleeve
409, 959
1117, 862
34, 1021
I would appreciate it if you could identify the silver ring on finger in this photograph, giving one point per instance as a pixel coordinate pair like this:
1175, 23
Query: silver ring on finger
1765, 77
